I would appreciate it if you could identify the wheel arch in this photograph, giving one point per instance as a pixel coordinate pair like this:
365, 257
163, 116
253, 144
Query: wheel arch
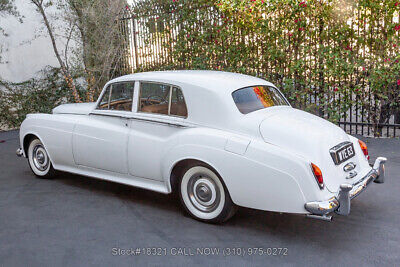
178, 167
28, 137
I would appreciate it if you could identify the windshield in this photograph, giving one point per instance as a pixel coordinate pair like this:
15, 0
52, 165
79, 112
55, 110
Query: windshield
253, 98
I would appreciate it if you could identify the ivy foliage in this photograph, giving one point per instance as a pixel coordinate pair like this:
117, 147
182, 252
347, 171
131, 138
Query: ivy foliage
38, 95
326, 56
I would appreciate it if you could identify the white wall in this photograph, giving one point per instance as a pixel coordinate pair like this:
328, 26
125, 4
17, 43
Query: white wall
28, 48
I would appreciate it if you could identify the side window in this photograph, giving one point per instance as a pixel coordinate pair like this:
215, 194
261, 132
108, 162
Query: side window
159, 99
154, 98
120, 97
178, 105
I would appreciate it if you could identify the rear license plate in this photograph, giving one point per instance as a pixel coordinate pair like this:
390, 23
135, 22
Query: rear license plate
342, 152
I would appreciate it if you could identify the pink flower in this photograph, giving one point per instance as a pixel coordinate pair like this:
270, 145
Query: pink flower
336, 89
188, 35
127, 7
397, 61
363, 68
394, 45
290, 34
297, 20
387, 60
397, 27
301, 29
303, 4
348, 48
397, 4
398, 82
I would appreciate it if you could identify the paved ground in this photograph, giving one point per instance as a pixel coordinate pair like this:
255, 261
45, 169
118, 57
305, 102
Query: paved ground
74, 220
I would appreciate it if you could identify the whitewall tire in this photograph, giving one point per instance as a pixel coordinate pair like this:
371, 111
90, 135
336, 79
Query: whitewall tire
39, 160
204, 195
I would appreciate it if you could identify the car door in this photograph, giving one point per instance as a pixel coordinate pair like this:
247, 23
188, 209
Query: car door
161, 111
100, 139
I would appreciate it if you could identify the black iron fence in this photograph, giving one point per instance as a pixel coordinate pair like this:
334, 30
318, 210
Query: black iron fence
154, 42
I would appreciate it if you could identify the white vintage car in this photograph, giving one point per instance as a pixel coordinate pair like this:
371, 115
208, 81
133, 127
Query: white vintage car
219, 140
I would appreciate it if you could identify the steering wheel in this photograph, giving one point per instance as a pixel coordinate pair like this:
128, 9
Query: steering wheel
148, 100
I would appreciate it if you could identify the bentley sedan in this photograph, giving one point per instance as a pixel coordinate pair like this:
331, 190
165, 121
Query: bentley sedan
219, 140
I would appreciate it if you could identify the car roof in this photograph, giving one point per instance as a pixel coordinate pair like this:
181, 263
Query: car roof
208, 94
208, 79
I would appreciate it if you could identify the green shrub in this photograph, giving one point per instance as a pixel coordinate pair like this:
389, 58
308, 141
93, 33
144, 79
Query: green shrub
39, 95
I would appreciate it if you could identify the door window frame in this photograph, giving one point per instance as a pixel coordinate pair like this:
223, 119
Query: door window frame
171, 86
97, 109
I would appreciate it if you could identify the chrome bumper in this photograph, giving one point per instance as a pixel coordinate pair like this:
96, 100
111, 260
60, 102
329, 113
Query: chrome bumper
340, 204
19, 152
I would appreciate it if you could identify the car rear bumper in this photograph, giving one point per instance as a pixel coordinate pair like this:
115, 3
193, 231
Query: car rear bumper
340, 204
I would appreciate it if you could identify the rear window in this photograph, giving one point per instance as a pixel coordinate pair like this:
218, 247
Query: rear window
253, 98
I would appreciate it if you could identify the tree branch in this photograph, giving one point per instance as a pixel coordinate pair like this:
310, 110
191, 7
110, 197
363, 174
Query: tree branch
64, 69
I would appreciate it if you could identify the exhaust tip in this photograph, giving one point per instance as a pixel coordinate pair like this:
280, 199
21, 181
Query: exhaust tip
326, 218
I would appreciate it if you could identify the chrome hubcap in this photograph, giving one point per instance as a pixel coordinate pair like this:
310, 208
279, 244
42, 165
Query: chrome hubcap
40, 158
203, 193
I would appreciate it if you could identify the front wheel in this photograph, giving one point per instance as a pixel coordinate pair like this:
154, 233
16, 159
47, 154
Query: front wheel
39, 160
204, 196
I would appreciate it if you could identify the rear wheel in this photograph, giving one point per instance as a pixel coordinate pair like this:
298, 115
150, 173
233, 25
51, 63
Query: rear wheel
204, 196
39, 160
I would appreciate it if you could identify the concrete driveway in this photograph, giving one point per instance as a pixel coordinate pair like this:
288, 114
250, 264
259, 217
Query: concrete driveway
74, 220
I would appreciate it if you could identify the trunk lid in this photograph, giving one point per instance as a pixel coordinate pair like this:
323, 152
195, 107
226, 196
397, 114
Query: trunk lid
311, 137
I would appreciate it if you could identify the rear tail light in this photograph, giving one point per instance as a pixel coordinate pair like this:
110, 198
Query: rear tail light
364, 148
318, 175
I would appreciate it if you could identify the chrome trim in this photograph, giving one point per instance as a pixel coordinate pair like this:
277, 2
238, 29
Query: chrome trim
322, 207
128, 117
351, 174
380, 166
341, 204
170, 100
40, 158
160, 122
327, 218
20, 152
349, 166
203, 192
344, 199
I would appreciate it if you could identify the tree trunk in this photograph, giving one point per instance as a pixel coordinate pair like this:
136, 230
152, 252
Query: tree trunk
64, 69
